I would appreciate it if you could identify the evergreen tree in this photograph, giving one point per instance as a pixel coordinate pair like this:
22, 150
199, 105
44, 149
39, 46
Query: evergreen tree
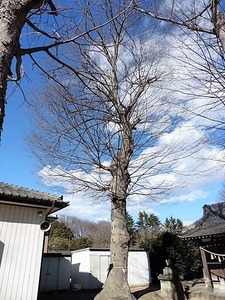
130, 228
146, 221
147, 227
173, 225
60, 236
80, 243
60, 229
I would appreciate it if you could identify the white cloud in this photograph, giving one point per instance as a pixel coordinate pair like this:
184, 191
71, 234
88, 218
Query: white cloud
193, 187
189, 196
83, 207
203, 163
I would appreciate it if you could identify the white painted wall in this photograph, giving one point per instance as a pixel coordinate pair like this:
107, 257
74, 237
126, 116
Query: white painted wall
21, 242
99, 265
55, 272
80, 272
90, 268
138, 268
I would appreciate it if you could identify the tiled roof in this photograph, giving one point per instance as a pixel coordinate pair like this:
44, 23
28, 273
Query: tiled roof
15, 193
212, 222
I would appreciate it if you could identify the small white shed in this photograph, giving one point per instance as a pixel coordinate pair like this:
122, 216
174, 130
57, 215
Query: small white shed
55, 272
90, 268
22, 213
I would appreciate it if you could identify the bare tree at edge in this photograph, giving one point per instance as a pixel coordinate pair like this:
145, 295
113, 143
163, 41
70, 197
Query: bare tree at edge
45, 27
13, 17
199, 30
202, 16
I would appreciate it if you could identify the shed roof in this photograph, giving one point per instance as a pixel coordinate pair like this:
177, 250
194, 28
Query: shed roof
212, 223
13, 194
90, 249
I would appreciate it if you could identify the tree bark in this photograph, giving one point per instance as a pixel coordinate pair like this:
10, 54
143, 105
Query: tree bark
12, 18
218, 21
116, 284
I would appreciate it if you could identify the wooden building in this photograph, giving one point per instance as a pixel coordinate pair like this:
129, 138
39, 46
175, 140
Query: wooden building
23, 223
209, 233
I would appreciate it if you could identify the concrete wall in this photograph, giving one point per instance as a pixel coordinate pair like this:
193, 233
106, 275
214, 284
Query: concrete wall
21, 242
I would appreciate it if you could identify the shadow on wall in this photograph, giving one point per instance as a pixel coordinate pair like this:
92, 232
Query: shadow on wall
55, 272
2, 245
84, 280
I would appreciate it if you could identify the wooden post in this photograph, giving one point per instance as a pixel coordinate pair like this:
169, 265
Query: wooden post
46, 238
208, 280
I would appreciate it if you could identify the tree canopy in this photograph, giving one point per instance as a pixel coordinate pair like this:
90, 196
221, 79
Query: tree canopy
111, 124
62, 238
122, 110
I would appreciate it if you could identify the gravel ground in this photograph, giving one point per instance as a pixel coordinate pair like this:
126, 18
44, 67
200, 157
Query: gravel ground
141, 293
197, 291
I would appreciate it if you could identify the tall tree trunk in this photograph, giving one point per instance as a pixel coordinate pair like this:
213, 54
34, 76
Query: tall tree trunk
116, 284
218, 21
12, 19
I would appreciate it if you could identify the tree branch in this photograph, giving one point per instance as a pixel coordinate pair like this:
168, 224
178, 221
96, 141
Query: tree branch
95, 28
185, 23
41, 31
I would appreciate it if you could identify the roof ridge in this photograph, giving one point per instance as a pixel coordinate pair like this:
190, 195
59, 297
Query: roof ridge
24, 188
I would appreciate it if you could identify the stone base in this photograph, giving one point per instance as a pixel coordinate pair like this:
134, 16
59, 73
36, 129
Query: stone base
171, 288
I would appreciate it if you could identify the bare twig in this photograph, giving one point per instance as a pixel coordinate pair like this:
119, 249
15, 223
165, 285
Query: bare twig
185, 23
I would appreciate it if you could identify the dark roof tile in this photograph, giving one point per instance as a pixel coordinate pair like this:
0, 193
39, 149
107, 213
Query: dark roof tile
211, 223
9, 192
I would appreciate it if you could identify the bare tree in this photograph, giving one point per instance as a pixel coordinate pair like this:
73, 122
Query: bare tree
28, 27
102, 129
13, 17
202, 16
100, 234
199, 38
80, 228
97, 232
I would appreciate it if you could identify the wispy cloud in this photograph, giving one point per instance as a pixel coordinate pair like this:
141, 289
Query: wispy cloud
181, 157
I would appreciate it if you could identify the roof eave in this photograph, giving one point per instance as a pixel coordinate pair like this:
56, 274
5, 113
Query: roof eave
34, 202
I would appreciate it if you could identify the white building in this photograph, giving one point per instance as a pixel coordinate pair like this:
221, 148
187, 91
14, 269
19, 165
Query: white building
90, 268
55, 272
22, 213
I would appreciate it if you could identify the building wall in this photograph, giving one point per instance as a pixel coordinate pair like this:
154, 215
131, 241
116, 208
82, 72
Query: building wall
80, 272
90, 268
99, 265
138, 268
55, 272
21, 243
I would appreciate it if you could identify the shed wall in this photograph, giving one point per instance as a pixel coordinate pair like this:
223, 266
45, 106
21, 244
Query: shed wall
21, 242
55, 273
97, 268
80, 272
139, 268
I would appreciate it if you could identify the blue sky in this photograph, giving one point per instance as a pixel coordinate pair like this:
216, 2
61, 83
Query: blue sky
18, 167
